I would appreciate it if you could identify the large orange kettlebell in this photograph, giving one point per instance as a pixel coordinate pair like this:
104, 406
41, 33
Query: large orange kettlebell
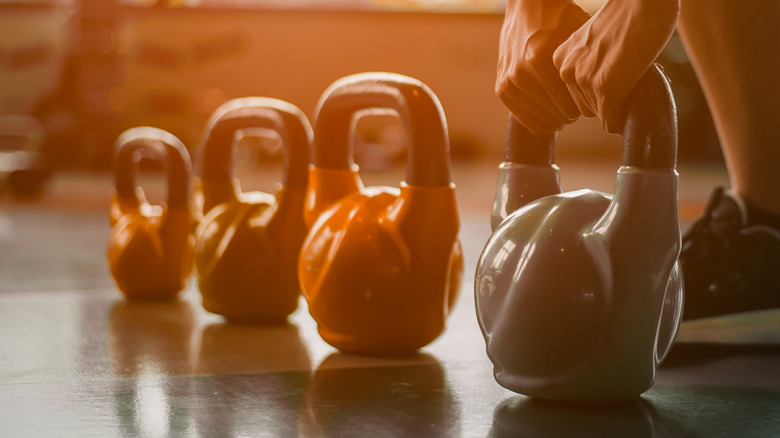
578, 294
247, 244
381, 266
150, 246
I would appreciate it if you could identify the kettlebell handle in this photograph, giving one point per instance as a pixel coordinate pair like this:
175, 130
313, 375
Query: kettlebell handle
148, 142
417, 106
650, 131
523, 147
649, 134
256, 112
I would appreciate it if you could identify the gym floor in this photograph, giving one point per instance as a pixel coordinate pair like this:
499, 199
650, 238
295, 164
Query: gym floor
76, 359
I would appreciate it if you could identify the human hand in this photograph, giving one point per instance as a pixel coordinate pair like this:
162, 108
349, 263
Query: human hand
528, 83
603, 60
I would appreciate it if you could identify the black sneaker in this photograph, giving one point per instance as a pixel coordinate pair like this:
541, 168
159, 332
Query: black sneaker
729, 266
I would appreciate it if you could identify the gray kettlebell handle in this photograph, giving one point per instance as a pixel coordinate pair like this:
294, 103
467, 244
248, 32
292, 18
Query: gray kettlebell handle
523, 147
650, 131
649, 134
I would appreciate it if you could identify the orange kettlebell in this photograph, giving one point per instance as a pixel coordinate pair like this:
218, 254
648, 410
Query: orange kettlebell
150, 246
247, 244
380, 267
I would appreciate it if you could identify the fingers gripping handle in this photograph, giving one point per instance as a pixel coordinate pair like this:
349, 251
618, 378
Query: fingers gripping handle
416, 105
147, 142
649, 135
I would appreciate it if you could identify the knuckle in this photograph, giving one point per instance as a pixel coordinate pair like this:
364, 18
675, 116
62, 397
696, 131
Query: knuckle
568, 73
583, 78
537, 60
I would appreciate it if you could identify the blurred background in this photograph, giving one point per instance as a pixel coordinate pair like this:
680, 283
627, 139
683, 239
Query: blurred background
81, 71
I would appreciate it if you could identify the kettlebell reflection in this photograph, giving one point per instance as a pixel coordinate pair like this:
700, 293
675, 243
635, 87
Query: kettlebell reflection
350, 396
260, 372
151, 337
530, 417
236, 349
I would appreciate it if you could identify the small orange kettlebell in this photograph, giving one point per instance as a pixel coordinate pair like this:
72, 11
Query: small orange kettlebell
150, 247
381, 266
247, 244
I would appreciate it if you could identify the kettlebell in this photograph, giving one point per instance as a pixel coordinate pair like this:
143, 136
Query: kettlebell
381, 266
247, 243
579, 294
150, 246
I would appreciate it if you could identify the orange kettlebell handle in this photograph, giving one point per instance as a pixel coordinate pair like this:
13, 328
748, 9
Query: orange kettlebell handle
148, 142
423, 118
255, 112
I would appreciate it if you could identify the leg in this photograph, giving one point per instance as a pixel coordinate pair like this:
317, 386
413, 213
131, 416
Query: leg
731, 256
735, 49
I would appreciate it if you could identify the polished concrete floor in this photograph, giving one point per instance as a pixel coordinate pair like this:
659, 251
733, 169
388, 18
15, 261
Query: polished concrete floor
76, 359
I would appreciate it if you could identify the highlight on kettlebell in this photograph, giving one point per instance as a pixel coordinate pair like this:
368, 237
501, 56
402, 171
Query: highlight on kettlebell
247, 244
579, 295
150, 246
380, 266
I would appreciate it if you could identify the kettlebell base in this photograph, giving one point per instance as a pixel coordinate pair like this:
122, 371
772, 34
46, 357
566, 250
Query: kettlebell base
577, 392
152, 296
378, 349
256, 320
250, 314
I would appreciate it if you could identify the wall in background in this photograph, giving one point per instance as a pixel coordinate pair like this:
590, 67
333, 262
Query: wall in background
178, 65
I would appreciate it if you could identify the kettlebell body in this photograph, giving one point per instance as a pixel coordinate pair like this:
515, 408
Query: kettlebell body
150, 246
380, 267
578, 294
247, 244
